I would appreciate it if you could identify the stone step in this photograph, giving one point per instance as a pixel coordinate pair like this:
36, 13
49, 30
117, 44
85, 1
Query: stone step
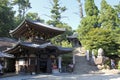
82, 66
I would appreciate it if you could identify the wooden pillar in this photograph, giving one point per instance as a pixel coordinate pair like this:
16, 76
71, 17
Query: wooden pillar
49, 65
38, 64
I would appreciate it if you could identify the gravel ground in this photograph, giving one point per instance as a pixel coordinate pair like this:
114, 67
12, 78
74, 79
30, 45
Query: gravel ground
65, 77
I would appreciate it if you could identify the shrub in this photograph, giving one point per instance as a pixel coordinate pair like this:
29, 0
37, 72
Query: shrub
119, 65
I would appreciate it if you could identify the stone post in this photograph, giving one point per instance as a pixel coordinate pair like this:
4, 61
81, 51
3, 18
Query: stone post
73, 59
87, 55
60, 63
17, 67
93, 56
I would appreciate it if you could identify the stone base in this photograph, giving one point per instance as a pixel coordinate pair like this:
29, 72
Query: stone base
55, 71
100, 67
33, 73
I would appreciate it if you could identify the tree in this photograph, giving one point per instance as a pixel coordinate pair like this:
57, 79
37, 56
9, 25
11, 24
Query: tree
60, 39
117, 9
100, 30
102, 38
90, 20
23, 6
108, 18
34, 17
66, 44
56, 16
6, 18
80, 8
90, 8
56, 13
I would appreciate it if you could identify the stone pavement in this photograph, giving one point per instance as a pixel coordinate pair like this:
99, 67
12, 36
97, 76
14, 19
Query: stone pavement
65, 77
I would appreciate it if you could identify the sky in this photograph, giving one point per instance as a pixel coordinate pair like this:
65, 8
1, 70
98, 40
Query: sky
70, 16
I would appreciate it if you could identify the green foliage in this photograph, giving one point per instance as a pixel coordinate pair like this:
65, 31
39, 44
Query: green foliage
101, 38
33, 17
6, 18
100, 29
107, 64
117, 9
119, 65
56, 13
23, 6
63, 37
86, 24
90, 8
90, 20
95, 51
108, 17
67, 28
66, 44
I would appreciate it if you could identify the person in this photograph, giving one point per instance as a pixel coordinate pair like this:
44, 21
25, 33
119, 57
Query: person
112, 64
1, 69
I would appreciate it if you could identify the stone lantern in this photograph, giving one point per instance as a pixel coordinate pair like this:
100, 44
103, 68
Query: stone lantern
74, 40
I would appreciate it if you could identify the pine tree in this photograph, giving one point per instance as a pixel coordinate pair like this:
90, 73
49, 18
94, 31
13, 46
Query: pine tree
108, 17
56, 16
90, 8
56, 13
117, 9
90, 20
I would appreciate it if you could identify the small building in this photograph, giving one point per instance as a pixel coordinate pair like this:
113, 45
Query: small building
34, 52
74, 40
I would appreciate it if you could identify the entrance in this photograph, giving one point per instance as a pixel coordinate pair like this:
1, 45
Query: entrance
43, 63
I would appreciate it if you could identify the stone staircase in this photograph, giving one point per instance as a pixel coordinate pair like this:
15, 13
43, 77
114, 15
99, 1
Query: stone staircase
82, 66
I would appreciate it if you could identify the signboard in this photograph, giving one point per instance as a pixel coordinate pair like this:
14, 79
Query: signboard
21, 62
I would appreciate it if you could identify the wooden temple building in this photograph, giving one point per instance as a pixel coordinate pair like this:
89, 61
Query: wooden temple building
34, 52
